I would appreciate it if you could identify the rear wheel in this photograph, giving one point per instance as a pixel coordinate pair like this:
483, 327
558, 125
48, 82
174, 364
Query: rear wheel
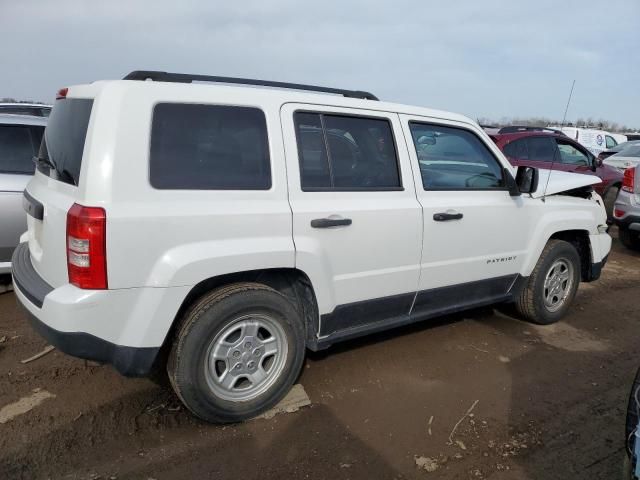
629, 238
237, 353
552, 285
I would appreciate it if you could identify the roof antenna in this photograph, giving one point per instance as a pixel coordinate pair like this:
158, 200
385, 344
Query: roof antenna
564, 118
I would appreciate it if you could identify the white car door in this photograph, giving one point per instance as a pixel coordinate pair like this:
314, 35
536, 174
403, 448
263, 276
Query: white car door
357, 225
475, 234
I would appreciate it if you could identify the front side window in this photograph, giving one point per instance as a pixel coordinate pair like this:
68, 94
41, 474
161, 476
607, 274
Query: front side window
18, 145
339, 152
610, 141
454, 159
209, 147
571, 155
541, 149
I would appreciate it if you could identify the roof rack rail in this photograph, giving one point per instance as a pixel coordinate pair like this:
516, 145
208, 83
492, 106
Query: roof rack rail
188, 78
528, 128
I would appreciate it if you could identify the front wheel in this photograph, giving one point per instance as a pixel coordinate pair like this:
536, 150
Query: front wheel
552, 285
237, 352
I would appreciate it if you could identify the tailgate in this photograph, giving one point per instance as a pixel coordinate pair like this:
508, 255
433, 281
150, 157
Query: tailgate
55, 187
47, 204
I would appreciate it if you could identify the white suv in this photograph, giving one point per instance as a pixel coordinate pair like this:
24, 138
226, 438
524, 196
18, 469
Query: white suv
217, 231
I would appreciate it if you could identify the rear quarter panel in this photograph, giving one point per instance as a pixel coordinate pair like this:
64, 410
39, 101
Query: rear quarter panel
167, 238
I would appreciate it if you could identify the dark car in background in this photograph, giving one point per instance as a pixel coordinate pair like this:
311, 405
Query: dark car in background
550, 149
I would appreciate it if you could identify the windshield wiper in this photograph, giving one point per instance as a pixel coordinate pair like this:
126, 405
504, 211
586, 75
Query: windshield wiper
44, 161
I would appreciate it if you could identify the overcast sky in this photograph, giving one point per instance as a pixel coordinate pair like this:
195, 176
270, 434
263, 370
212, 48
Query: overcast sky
484, 58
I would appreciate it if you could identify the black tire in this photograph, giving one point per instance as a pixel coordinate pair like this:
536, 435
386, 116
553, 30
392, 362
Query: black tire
530, 301
629, 239
206, 319
632, 414
609, 199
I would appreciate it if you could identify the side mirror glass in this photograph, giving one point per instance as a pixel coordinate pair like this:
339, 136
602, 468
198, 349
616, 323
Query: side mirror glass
527, 179
427, 140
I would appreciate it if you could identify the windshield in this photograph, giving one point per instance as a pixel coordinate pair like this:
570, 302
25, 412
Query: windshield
18, 145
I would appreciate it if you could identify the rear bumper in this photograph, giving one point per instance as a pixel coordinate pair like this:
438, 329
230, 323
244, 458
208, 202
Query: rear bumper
630, 222
628, 208
71, 308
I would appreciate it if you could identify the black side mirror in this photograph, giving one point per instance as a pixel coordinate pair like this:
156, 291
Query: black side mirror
597, 162
527, 179
511, 183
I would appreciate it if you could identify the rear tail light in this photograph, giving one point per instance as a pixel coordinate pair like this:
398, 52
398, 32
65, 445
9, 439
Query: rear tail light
87, 247
628, 181
62, 93
618, 213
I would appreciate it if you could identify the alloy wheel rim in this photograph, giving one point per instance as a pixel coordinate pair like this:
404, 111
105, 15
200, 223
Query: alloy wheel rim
558, 284
246, 358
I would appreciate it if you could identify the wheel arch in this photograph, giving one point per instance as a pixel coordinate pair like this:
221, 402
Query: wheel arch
580, 240
291, 282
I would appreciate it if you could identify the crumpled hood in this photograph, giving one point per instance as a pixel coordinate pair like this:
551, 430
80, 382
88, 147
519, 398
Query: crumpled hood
559, 181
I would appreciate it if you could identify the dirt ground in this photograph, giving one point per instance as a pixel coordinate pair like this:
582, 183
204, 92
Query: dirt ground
548, 403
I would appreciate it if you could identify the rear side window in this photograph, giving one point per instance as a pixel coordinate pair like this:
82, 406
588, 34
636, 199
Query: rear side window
517, 150
542, 149
64, 139
348, 153
18, 145
209, 147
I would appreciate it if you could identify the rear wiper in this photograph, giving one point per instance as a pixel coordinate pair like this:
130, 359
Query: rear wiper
43, 161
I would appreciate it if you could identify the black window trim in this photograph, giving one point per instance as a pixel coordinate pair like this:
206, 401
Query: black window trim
236, 189
447, 189
321, 114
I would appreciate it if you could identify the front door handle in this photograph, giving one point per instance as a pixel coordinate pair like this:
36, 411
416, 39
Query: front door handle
446, 216
330, 222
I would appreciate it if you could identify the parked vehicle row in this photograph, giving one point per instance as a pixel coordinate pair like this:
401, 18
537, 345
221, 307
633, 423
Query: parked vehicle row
219, 231
551, 149
20, 138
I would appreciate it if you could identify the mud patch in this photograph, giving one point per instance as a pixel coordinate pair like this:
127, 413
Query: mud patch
24, 405
571, 339
294, 401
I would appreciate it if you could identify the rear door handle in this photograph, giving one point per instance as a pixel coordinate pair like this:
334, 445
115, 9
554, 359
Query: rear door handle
446, 216
330, 222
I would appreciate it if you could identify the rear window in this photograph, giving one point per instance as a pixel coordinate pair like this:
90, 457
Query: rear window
18, 145
64, 139
209, 147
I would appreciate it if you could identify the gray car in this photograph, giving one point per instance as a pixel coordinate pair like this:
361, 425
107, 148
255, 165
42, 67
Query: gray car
20, 137
626, 209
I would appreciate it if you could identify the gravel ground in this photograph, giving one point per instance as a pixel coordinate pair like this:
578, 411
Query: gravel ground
529, 403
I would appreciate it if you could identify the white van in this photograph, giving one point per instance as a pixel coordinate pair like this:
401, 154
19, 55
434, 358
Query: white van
594, 140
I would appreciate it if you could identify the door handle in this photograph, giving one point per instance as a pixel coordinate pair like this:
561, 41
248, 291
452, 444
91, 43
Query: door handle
446, 216
330, 222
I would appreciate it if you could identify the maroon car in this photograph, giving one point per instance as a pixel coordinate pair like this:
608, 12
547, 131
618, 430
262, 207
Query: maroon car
541, 147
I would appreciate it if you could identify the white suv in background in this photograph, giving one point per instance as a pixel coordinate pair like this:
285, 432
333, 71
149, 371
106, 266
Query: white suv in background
217, 231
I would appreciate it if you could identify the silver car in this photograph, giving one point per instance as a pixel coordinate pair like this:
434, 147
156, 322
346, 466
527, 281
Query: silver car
626, 209
20, 137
